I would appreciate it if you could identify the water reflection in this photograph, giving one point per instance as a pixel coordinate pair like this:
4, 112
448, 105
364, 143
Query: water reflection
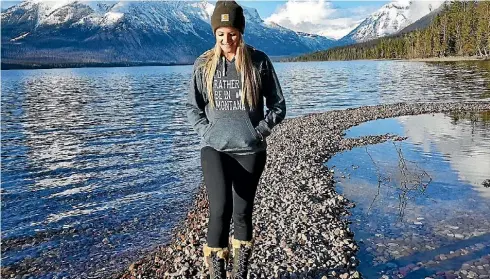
462, 139
444, 229
406, 178
53, 107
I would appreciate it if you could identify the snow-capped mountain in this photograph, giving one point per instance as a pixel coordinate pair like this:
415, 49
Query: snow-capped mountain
70, 31
423, 22
390, 19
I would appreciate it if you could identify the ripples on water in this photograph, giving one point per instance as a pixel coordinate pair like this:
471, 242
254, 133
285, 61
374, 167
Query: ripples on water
95, 163
99, 163
316, 87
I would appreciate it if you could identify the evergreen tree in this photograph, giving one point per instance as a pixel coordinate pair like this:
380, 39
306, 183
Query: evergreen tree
462, 28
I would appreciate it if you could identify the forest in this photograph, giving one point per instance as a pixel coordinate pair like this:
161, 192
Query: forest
461, 28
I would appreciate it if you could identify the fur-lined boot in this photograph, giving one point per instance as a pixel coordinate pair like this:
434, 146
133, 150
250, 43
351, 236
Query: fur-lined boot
242, 250
216, 260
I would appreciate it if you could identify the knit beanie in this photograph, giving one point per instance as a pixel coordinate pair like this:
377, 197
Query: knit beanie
228, 14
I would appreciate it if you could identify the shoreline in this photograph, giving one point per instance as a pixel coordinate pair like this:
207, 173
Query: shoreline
19, 66
449, 59
5, 66
300, 224
429, 59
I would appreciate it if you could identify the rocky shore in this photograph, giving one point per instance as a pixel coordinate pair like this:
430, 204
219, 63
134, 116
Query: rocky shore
300, 220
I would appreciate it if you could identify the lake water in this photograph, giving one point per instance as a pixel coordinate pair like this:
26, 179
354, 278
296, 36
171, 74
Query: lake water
422, 207
98, 164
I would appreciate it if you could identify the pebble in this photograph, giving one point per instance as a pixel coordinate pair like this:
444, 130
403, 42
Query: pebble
300, 229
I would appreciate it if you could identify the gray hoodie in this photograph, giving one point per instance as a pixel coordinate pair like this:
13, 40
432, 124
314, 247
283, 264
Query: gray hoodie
231, 126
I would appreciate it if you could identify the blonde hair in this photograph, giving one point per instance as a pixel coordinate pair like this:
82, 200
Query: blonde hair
243, 62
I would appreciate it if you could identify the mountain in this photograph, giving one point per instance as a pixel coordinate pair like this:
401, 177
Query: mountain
389, 19
422, 22
68, 31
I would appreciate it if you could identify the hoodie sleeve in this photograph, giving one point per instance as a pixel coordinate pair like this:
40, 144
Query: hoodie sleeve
274, 100
195, 104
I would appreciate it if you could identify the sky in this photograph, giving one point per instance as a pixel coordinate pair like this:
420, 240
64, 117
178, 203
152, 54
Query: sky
333, 19
329, 18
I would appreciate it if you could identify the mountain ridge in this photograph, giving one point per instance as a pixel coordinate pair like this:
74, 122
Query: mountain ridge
389, 19
131, 32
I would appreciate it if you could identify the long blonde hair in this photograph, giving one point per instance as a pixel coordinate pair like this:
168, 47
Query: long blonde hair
243, 62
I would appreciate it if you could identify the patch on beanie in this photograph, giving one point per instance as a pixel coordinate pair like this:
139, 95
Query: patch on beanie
225, 17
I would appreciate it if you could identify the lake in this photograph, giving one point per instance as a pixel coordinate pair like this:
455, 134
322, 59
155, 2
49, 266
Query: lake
421, 203
99, 164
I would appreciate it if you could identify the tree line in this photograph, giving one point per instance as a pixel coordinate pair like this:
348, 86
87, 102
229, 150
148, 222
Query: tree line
462, 28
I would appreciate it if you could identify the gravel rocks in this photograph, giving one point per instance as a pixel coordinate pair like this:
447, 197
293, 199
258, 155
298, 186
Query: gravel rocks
300, 225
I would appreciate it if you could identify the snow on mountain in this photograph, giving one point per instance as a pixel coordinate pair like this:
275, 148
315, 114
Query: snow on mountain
324, 34
423, 22
163, 31
390, 19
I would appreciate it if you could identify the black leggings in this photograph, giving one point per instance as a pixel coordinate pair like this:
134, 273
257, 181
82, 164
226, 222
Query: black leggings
231, 182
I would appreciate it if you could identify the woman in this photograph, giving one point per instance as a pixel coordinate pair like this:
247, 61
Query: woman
226, 108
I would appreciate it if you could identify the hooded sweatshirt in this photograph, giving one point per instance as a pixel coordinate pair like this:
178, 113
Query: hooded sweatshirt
231, 126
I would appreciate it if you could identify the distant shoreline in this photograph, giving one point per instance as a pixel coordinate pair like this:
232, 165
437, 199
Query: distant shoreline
15, 66
449, 59
34, 66
37, 66
429, 59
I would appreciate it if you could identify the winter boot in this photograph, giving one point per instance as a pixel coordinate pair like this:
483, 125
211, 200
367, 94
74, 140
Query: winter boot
216, 260
242, 250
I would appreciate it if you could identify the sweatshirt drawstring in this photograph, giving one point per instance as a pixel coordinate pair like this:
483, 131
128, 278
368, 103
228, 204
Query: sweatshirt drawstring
224, 67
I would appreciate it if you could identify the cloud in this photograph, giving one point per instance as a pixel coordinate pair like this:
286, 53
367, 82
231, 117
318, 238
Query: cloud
298, 12
339, 27
319, 17
419, 9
